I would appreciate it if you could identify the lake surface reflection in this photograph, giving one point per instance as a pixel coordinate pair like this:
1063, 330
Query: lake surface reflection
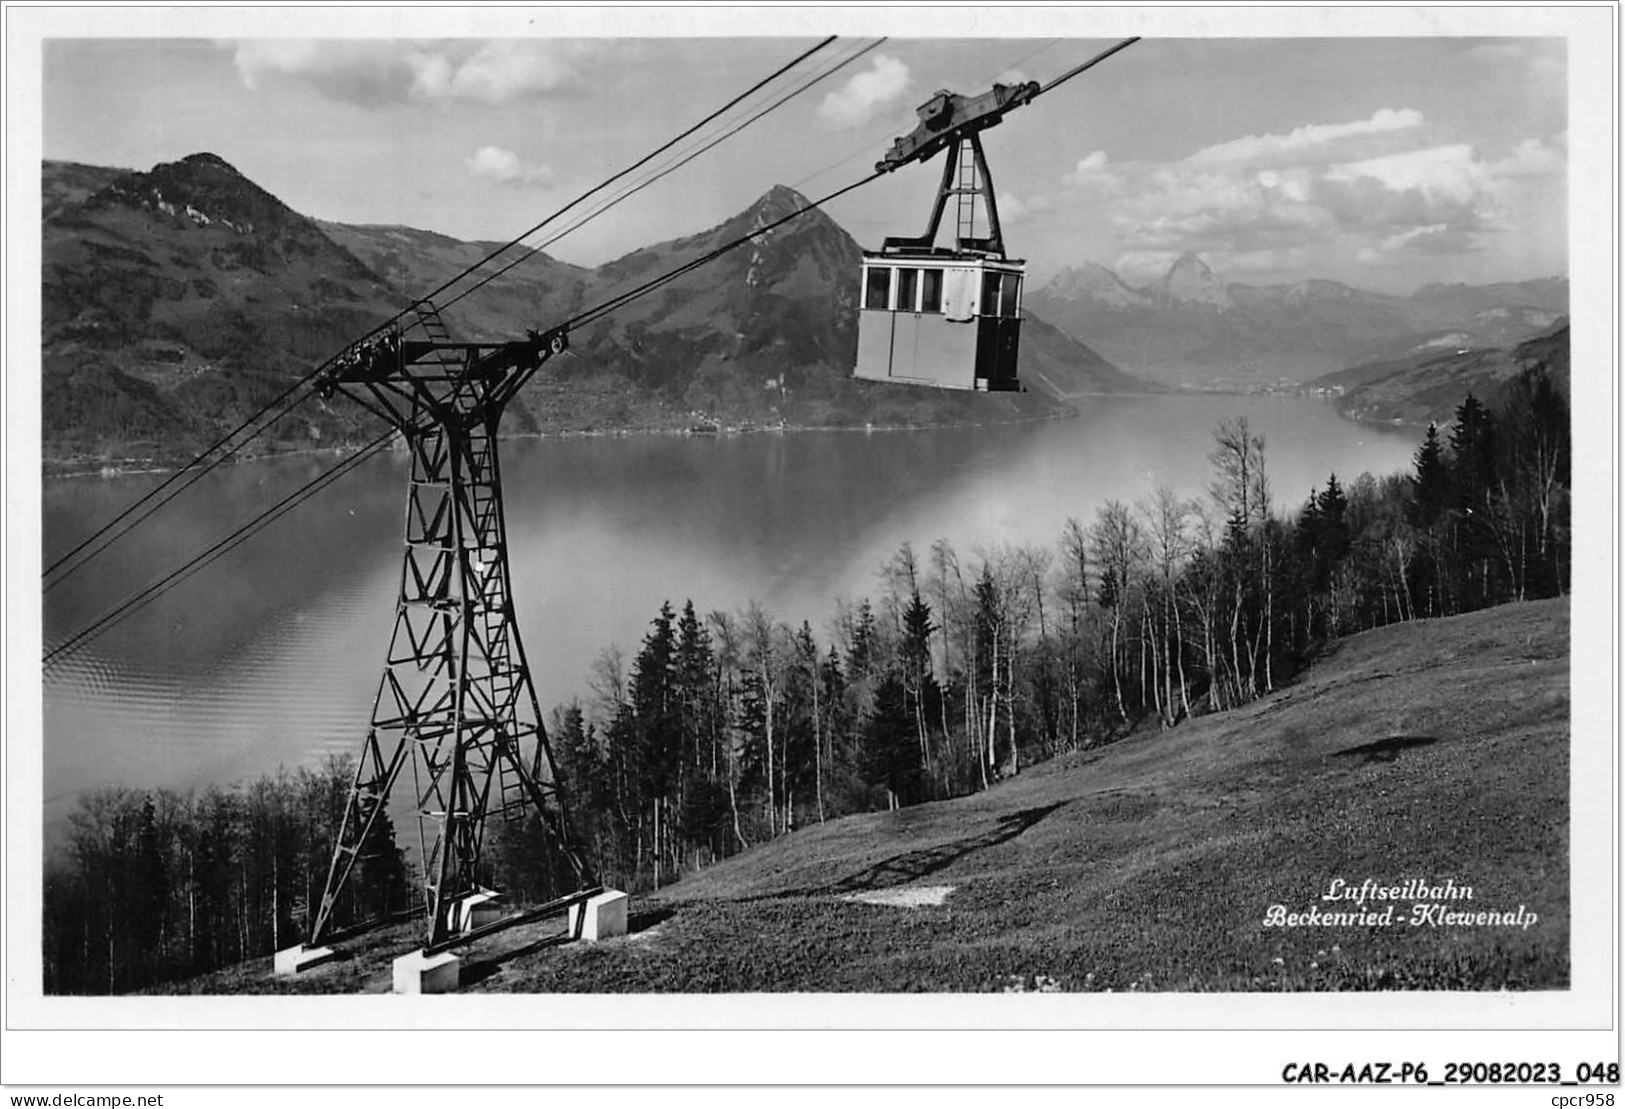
271, 656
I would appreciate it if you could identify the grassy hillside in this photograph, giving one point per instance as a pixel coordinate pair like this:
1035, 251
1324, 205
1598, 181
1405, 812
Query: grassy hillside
1434, 751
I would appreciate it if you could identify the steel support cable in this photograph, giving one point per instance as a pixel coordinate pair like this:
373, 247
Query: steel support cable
651, 285
871, 144
1090, 64
639, 164
579, 320
669, 168
881, 140
1097, 59
218, 549
191, 468
170, 480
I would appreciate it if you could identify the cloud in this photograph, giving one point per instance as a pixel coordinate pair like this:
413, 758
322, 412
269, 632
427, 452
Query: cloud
1088, 167
1444, 194
856, 102
1434, 238
360, 72
1301, 144
500, 71
505, 167
1375, 187
1535, 158
1450, 172
372, 72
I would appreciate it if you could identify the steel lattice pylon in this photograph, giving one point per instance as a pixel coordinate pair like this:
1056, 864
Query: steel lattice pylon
456, 700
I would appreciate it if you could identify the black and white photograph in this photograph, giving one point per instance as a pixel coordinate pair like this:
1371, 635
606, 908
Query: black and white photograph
815, 518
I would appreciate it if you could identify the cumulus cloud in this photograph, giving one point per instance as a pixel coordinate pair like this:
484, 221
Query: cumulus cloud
1451, 172
1374, 188
358, 71
1302, 143
1535, 158
500, 71
498, 164
856, 102
372, 72
1434, 238
1088, 167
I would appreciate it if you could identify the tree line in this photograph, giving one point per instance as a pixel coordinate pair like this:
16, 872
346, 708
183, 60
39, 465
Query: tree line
727, 730
155, 886
730, 729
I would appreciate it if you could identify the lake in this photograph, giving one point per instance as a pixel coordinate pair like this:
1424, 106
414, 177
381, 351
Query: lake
270, 658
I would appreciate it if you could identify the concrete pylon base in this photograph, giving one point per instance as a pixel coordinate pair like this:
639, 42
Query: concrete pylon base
476, 911
292, 960
600, 917
416, 972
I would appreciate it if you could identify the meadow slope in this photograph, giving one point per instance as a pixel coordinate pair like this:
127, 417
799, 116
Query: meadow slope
1436, 750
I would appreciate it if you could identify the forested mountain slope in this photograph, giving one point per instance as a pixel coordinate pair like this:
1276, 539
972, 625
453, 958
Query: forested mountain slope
177, 301
1425, 387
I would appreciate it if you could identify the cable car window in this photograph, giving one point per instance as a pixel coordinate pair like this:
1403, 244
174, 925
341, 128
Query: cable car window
990, 294
931, 290
1008, 298
877, 287
907, 281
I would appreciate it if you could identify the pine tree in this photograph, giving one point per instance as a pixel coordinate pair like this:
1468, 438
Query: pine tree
1430, 483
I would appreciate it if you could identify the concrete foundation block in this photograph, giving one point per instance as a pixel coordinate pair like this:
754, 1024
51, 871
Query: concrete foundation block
600, 917
486, 912
291, 960
476, 911
416, 972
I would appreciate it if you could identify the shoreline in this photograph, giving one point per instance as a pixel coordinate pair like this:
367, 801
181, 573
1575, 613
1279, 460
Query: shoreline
109, 472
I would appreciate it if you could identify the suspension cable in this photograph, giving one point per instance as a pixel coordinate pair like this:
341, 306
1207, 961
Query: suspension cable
192, 471
671, 167
880, 140
221, 547
590, 315
170, 480
157, 588
1090, 64
651, 285
641, 162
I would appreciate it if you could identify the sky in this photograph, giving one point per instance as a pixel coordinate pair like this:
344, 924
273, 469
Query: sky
1383, 161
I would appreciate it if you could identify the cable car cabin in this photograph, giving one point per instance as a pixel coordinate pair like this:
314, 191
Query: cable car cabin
948, 320
949, 317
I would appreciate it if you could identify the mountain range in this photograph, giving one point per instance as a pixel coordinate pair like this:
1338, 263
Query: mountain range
1190, 328
179, 300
